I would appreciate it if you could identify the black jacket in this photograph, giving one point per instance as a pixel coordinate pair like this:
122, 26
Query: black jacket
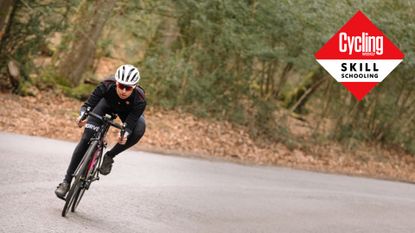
129, 110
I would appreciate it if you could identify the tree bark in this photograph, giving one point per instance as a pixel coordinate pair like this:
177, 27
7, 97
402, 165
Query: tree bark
88, 26
6, 10
307, 94
283, 79
328, 95
297, 98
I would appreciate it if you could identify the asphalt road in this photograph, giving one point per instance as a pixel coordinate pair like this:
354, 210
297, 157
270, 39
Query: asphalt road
157, 193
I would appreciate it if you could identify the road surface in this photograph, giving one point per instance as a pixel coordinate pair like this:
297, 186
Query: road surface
157, 193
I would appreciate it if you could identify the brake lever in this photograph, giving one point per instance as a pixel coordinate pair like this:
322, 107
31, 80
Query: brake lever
123, 130
85, 114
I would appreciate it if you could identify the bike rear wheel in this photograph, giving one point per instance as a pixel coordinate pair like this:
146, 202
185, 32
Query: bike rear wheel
77, 190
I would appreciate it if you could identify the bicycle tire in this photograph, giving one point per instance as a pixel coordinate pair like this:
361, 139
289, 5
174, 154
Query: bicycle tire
77, 198
70, 197
80, 193
76, 186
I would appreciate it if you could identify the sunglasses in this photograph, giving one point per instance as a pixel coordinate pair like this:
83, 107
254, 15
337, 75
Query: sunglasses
124, 87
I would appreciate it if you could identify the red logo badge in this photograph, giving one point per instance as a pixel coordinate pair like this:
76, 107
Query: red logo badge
359, 56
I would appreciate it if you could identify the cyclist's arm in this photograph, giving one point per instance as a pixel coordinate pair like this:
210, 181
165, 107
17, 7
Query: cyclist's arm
133, 116
95, 97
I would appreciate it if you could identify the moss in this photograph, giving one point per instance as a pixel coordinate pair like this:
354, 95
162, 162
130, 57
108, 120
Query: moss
80, 92
49, 79
27, 89
293, 96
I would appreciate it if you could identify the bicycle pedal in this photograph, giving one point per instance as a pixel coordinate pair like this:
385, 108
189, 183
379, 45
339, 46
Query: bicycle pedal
94, 179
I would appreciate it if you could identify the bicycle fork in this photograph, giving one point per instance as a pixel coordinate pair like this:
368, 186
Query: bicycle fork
94, 164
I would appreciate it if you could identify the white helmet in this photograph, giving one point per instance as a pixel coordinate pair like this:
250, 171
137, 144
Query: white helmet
127, 75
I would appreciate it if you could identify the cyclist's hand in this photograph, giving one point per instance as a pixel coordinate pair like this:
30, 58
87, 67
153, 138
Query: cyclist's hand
122, 140
80, 122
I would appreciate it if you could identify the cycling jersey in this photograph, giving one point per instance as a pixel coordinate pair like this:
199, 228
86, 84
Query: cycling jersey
129, 110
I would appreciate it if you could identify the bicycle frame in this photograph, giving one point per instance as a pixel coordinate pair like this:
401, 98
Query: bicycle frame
95, 162
99, 137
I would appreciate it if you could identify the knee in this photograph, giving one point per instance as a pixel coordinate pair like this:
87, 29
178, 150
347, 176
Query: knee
139, 131
87, 135
141, 127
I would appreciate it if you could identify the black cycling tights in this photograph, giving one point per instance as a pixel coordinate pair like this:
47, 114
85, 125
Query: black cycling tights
82, 146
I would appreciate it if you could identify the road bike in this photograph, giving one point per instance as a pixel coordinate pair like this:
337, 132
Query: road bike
88, 169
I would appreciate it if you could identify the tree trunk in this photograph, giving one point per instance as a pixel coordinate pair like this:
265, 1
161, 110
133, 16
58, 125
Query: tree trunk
89, 23
271, 76
6, 10
262, 79
306, 96
283, 79
268, 78
297, 98
328, 94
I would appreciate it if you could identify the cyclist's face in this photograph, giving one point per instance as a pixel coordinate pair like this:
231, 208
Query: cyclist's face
124, 91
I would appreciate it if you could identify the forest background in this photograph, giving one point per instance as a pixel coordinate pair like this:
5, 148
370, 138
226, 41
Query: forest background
245, 68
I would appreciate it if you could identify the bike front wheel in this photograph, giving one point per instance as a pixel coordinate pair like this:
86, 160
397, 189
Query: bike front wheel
77, 190
78, 196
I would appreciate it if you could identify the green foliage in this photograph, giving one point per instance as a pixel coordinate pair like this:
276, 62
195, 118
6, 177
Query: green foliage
81, 92
30, 27
104, 48
26, 89
226, 60
230, 55
51, 81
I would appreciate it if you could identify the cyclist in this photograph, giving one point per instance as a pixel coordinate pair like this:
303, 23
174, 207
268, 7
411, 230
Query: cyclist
118, 95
